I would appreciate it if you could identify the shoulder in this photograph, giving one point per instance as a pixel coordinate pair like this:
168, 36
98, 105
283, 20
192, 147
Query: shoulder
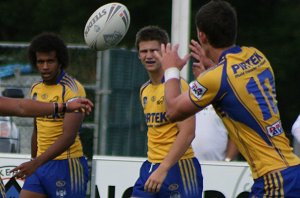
72, 85
36, 84
70, 82
144, 86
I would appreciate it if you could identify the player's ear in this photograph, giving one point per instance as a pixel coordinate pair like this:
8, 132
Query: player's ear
139, 55
202, 37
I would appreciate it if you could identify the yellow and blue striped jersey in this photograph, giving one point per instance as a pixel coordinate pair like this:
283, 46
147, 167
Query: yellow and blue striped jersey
161, 133
242, 90
49, 128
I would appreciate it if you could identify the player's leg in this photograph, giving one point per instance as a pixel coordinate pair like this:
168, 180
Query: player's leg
70, 178
59, 178
285, 183
138, 188
32, 186
184, 180
291, 181
30, 194
77, 177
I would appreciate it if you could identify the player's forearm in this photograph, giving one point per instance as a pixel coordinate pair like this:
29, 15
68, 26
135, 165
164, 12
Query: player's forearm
71, 126
29, 107
181, 144
177, 151
34, 143
232, 150
60, 146
172, 91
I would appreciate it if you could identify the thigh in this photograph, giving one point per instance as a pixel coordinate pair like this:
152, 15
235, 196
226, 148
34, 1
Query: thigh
291, 181
284, 183
70, 179
33, 184
138, 188
30, 194
60, 178
183, 180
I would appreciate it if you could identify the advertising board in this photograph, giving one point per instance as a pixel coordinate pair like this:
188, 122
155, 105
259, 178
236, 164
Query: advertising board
113, 177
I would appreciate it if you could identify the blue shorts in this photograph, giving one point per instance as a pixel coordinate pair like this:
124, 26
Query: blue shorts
285, 183
184, 180
60, 178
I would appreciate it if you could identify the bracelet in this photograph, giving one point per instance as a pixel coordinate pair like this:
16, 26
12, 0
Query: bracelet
172, 72
55, 107
64, 107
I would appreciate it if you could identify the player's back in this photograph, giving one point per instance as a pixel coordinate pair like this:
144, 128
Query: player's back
247, 104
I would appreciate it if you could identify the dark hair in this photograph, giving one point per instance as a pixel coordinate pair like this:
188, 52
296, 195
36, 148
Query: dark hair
151, 33
47, 42
218, 20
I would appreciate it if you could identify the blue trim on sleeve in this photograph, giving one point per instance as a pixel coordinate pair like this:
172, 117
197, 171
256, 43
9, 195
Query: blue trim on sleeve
62, 74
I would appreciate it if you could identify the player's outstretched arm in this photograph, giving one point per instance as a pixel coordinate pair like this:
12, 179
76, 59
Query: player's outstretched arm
31, 108
179, 106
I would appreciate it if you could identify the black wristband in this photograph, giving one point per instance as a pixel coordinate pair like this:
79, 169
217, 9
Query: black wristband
64, 107
55, 108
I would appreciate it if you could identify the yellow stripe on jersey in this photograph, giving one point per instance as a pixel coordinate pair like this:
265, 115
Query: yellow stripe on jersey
189, 177
186, 174
182, 172
49, 128
242, 90
273, 185
193, 176
161, 133
76, 175
70, 82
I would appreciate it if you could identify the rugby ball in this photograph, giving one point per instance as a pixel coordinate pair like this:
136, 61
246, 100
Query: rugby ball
107, 26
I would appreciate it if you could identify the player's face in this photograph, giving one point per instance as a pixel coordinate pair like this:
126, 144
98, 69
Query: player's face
48, 66
146, 55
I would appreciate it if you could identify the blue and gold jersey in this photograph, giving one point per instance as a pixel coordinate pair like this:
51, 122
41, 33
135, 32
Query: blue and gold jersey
161, 132
49, 128
242, 90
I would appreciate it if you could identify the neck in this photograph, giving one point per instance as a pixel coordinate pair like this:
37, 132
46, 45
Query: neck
215, 53
53, 81
156, 76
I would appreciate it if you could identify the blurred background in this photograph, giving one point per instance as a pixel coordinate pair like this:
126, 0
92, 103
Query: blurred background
112, 78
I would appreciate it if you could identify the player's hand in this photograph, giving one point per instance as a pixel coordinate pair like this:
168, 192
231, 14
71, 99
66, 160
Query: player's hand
197, 69
24, 170
154, 182
81, 104
203, 63
169, 56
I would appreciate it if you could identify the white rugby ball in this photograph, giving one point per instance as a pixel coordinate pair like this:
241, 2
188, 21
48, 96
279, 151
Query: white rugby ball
107, 26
